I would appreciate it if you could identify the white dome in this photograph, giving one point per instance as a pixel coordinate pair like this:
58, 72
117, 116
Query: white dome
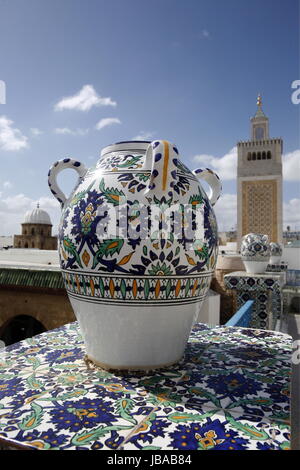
37, 216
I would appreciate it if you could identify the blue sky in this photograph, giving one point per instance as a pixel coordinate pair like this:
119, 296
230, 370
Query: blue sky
187, 71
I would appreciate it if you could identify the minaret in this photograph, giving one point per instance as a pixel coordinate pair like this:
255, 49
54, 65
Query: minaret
259, 181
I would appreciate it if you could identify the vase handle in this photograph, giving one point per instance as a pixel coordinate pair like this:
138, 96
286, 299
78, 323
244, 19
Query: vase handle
212, 179
162, 156
56, 168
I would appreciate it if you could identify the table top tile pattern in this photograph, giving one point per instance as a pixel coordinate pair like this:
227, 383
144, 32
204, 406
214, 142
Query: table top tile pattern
229, 391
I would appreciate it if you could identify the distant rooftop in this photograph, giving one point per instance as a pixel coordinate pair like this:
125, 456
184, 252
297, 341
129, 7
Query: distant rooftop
37, 216
13, 276
27, 257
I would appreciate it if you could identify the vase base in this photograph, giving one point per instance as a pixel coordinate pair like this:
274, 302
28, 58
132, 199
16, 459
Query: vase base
90, 362
255, 267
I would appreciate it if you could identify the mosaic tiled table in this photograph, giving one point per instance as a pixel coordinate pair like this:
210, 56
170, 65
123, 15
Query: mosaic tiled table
229, 391
266, 291
279, 268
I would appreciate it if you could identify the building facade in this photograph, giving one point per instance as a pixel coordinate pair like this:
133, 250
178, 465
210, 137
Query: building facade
36, 231
32, 300
259, 181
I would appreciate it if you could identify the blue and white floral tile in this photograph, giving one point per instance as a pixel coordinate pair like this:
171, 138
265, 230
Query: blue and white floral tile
252, 391
77, 418
240, 335
50, 399
207, 429
46, 393
267, 395
246, 355
204, 386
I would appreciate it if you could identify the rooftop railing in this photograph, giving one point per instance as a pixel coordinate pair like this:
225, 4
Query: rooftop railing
243, 316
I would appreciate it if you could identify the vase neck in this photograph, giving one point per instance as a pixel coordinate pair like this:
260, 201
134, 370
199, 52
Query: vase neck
130, 145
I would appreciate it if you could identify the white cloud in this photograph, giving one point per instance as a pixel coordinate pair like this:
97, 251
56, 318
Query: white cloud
13, 209
225, 167
144, 135
35, 131
205, 33
226, 212
7, 185
291, 213
84, 100
62, 130
15, 204
107, 122
66, 130
291, 166
11, 138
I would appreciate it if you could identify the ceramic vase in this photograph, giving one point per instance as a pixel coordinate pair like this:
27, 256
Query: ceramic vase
276, 253
255, 252
138, 246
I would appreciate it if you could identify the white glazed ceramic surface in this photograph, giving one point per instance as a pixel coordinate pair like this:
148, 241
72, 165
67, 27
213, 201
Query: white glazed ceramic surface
256, 267
134, 291
255, 252
131, 337
276, 253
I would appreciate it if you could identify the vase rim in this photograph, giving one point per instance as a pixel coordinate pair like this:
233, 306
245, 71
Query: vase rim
126, 145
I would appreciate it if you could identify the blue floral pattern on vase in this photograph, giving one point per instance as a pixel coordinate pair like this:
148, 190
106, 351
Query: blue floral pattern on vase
255, 247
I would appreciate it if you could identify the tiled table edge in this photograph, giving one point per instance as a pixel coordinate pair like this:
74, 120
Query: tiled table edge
212, 429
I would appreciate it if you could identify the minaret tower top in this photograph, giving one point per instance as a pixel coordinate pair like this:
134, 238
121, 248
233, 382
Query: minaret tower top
259, 123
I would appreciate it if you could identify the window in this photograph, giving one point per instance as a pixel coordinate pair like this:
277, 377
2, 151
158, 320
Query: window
264, 156
259, 156
269, 155
253, 156
259, 133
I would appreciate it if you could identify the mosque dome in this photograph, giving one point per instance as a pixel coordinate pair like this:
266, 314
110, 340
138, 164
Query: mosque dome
37, 216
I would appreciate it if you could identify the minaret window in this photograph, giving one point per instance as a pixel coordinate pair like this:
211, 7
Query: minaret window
269, 155
259, 133
259, 156
253, 156
264, 156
